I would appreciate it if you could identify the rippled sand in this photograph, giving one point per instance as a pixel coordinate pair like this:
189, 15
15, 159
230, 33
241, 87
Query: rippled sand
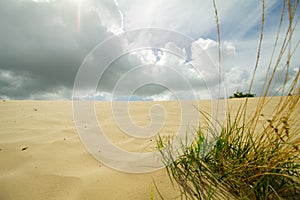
42, 157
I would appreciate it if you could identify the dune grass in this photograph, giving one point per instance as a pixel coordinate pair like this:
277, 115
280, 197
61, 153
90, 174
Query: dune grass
255, 156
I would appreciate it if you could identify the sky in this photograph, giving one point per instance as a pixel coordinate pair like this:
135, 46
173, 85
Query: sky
136, 50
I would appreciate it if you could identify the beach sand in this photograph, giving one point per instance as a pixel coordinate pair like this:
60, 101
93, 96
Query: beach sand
42, 157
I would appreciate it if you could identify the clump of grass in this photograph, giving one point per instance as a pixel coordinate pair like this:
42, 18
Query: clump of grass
243, 163
254, 157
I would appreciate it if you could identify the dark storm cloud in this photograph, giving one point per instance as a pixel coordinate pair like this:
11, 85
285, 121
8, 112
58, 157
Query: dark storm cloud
41, 47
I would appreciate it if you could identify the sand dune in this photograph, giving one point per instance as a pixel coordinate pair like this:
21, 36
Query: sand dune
42, 157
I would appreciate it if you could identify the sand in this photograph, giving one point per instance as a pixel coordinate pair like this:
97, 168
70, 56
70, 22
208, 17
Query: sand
42, 157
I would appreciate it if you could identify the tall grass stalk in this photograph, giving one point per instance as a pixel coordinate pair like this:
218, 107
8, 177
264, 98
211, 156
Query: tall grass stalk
256, 156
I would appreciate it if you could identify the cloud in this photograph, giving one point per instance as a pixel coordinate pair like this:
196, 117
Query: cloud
237, 79
167, 73
109, 14
41, 47
44, 42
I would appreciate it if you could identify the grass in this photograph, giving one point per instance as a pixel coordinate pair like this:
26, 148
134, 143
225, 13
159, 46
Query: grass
255, 156
244, 163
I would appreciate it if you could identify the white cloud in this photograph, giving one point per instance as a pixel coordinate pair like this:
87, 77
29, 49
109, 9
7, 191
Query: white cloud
230, 48
167, 74
237, 79
109, 14
172, 55
59, 94
10, 80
